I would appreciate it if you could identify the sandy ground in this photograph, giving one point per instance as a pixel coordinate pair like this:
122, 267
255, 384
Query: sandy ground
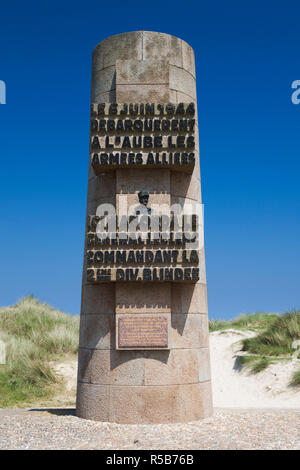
67, 370
232, 388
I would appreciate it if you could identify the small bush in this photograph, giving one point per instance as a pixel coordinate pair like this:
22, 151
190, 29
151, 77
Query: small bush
216, 325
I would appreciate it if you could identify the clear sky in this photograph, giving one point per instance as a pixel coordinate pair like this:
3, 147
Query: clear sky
247, 57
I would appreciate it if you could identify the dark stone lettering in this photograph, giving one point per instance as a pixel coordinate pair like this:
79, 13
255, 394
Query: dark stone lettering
190, 109
113, 108
101, 109
146, 274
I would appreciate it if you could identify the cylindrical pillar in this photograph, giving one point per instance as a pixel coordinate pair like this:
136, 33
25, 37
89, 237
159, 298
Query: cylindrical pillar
144, 386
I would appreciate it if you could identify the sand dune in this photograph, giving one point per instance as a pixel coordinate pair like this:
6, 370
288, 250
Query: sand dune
233, 388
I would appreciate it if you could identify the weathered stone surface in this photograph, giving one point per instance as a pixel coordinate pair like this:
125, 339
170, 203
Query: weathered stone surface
99, 298
177, 366
97, 331
106, 97
93, 204
135, 405
160, 404
119, 47
173, 96
184, 201
142, 93
188, 58
117, 367
84, 365
183, 81
188, 331
162, 46
184, 185
196, 401
104, 80
92, 402
184, 97
202, 270
144, 405
187, 298
131, 298
102, 187
142, 72
133, 180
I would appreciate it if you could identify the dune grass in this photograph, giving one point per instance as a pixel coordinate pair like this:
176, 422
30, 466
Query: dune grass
253, 363
257, 364
34, 334
247, 321
277, 337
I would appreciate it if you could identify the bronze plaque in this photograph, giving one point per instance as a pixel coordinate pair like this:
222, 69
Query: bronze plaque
142, 331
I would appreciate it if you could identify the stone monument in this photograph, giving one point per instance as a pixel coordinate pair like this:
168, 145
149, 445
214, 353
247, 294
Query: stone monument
143, 351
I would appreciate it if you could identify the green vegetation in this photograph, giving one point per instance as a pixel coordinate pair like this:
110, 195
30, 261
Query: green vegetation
277, 338
34, 334
257, 363
254, 363
218, 325
272, 343
253, 321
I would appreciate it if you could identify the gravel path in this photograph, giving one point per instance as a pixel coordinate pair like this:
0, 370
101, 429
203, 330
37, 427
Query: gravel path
227, 429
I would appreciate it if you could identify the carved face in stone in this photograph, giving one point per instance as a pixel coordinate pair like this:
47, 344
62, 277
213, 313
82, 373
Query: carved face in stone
143, 197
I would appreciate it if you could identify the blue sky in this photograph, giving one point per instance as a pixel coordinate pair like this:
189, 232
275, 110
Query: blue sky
247, 57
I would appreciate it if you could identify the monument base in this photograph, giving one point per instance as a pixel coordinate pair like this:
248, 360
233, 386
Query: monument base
144, 405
